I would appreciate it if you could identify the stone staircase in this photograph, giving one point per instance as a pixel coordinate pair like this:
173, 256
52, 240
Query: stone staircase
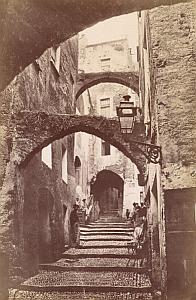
96, 270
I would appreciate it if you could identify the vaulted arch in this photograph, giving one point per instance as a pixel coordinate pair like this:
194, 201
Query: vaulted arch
108, 177
34, 130
27, 29
87, 80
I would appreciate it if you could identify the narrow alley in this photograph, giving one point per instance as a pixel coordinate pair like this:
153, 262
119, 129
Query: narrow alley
97, 150
101, 268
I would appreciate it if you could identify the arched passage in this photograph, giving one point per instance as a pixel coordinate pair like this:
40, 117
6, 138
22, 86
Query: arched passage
28, 29
108, 192
87, 80
50, 127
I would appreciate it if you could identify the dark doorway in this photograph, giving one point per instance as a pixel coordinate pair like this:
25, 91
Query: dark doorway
108, 191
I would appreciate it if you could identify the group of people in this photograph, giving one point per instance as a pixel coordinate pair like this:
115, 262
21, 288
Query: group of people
75, 220
137, 217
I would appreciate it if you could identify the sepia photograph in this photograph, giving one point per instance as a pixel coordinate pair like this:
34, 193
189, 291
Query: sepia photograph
97, 150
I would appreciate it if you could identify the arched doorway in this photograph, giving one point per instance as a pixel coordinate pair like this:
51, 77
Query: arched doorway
108, 191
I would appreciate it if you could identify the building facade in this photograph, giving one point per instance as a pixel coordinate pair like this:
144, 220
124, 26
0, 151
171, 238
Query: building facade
102, 99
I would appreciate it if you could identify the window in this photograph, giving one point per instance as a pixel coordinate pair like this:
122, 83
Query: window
105, 64
72, 86
55, 57
105, 107
64, 164
46, 155
105, 148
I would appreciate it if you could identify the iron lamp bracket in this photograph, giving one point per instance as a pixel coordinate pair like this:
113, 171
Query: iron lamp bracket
151, 152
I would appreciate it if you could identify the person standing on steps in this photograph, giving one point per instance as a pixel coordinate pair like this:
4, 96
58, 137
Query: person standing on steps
75, 226
127, 213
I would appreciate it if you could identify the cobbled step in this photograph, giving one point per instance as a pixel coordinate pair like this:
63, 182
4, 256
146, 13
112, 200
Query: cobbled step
105, 227
88, 281
99, 229
97, 265
89, 233
85, 288
105, 243
24, 295
105, 238
96, 255
49, 267
109, 224
97, 251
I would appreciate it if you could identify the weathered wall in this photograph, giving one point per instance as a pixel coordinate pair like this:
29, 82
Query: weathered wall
117, 51
168, 89
39, 87
172, 39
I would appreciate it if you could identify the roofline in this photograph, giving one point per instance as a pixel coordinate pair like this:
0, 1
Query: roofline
106, 42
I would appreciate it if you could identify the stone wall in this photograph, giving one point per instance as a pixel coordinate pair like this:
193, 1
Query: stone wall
173, 56
172, 69
30, 187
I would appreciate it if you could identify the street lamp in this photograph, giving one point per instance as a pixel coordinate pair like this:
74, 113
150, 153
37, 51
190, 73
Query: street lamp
126, 113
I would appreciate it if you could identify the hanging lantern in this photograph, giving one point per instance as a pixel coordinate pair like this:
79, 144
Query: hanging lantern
126, 113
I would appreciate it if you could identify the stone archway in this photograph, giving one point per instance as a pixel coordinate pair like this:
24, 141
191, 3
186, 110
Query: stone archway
35, 130
108, 192
87, 80
27, 29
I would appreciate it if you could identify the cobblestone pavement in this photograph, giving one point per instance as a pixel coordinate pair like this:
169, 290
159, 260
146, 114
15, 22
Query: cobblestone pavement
103, 244
83, 251
95, 262
92, 285
26, 295
52, 278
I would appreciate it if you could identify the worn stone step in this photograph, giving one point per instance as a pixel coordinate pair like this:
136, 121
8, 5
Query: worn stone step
106, 237
103, 229
110, 224
96, 264
98, 253
103, 244
85, 288
109, 233
87, 281
94, 255
23, 295
50, 267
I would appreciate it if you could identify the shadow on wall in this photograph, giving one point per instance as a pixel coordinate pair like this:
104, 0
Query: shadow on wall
45, 220
38, 215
